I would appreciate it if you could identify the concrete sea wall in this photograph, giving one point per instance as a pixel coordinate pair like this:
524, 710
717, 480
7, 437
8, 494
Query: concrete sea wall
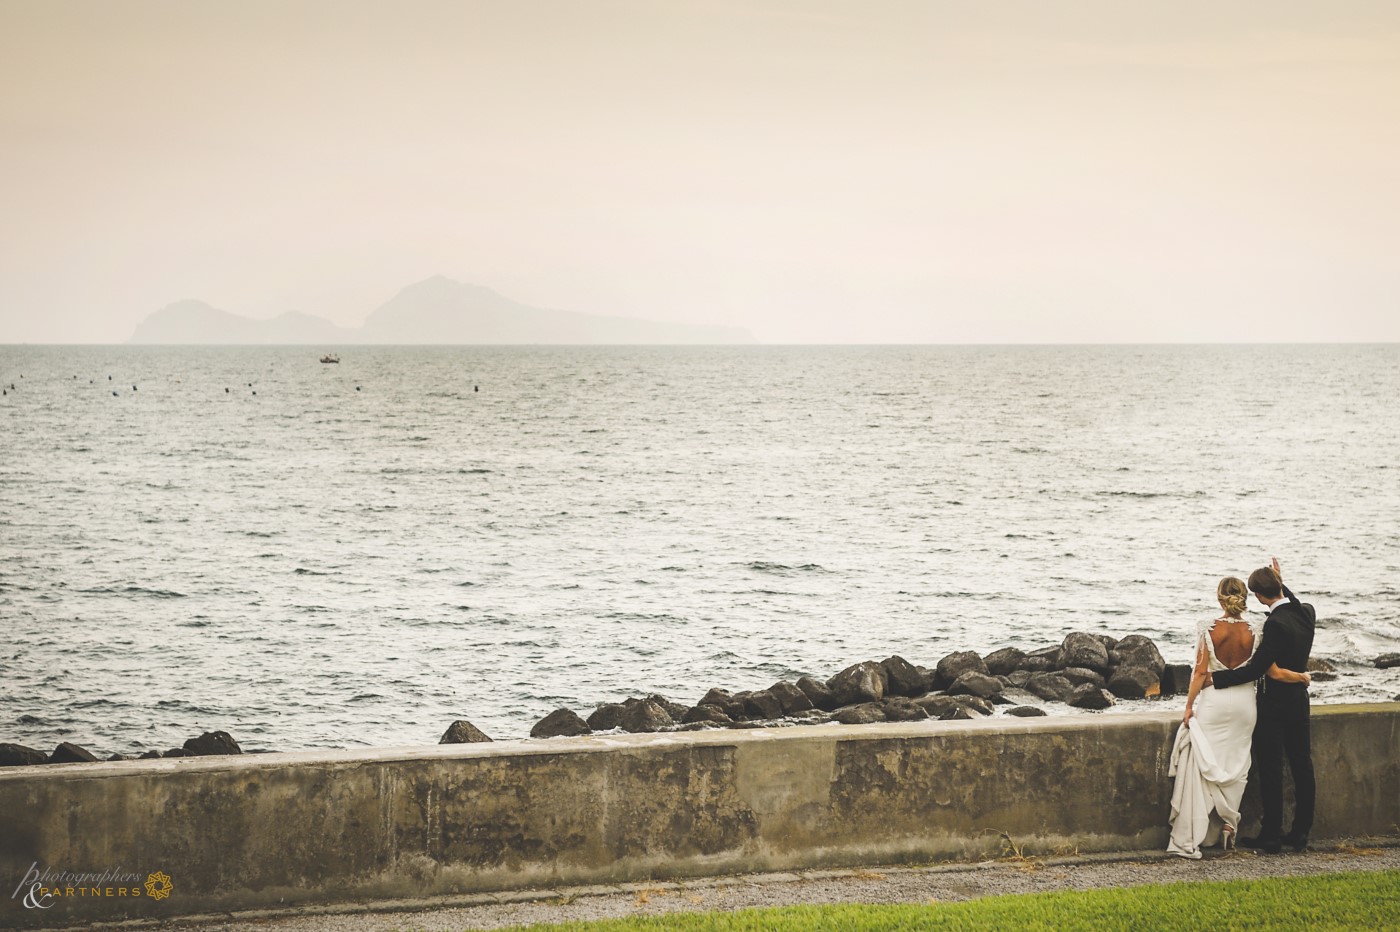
277, 830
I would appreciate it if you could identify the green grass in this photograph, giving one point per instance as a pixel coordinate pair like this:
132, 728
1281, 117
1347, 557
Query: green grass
1335, 901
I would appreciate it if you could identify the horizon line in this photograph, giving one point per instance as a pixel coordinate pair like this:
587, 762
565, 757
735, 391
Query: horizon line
727, 345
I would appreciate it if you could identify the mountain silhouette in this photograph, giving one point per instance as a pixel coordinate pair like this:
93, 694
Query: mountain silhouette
434, 311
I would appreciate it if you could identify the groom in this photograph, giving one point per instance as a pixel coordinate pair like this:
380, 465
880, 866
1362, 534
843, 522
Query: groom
1282, 726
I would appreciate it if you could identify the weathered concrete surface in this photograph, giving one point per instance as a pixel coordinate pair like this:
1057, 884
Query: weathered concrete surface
270, 830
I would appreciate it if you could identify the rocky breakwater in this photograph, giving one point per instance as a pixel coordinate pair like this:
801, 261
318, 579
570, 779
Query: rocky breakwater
208, 744
1084, 671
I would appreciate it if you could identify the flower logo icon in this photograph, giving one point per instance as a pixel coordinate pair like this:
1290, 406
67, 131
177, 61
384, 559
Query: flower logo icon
158, 885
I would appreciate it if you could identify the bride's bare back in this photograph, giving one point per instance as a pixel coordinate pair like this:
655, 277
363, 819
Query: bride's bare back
1232, 640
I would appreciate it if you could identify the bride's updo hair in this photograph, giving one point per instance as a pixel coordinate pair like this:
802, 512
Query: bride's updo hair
1231, 593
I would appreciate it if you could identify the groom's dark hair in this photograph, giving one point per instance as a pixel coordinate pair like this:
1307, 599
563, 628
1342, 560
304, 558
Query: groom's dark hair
1265, 582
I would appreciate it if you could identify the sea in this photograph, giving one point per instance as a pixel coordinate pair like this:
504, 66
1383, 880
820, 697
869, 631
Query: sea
317, 555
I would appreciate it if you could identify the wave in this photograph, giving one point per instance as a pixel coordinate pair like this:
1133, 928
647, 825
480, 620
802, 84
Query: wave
184, 706
642, 616
764, 566
133, 591
1147, 495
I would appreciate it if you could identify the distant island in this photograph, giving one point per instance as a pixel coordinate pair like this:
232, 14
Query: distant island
436, 310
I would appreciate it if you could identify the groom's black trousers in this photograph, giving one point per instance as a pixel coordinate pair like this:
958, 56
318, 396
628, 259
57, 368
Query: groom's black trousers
1283, 729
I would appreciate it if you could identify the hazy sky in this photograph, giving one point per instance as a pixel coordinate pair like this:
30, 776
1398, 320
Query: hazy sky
931, 171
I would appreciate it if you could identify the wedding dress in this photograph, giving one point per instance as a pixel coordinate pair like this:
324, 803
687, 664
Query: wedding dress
1210, 759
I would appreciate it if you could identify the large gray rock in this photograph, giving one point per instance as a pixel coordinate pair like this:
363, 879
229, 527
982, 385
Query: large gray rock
900, 709
819, 693
1089, 696
1050, 686
863, 714
1037, 665
149, 755
1138, 651
1050, 653
673, 709
610, 715
1107, 640
212, 743
790, 698
17, 755
643, 715
67, 753
1386, 661
1083, 650
459, 732
938, 704
562, 723
902, 678
1318, 665
706, 713
1176, 679
858, 683
1003, 662
955, 665
1133, 682
1026, 711
1018, 678
1080, 675
975, 704
732, 706
972, 683
761, 704
607, 716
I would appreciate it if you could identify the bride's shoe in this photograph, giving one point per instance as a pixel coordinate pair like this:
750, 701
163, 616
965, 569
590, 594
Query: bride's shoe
1227, 838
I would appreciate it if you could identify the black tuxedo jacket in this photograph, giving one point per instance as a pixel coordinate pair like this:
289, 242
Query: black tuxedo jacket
1287, 641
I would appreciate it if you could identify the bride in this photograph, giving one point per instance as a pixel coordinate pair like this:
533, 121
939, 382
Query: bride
1210, 759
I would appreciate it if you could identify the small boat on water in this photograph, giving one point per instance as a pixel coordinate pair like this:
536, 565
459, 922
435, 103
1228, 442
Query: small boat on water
330, 357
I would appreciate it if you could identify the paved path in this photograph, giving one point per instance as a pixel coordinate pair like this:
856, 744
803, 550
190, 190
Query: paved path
941, 883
